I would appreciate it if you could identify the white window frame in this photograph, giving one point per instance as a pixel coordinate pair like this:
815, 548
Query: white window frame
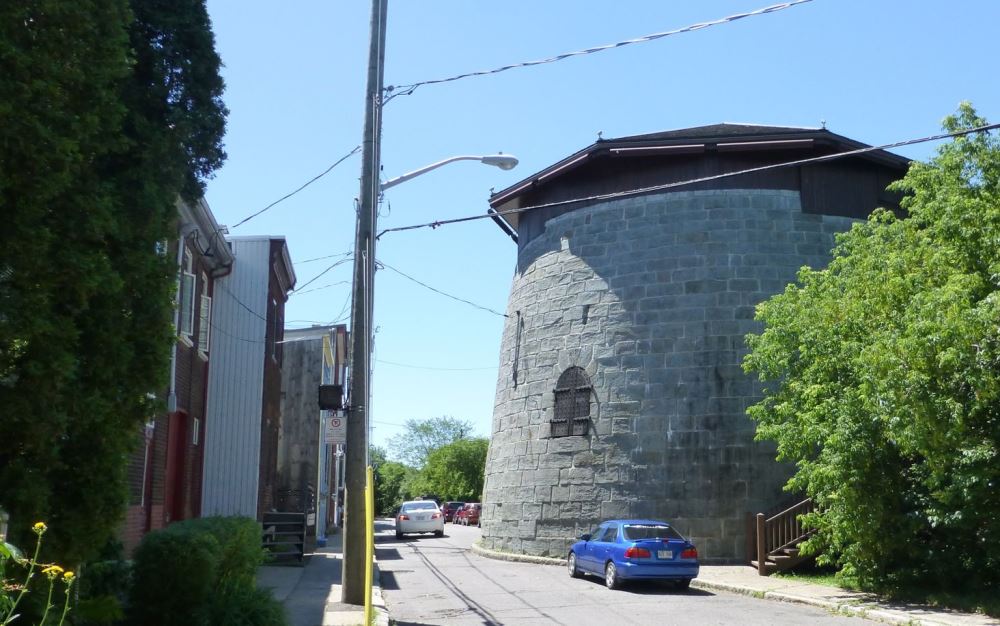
204, 317
185, 320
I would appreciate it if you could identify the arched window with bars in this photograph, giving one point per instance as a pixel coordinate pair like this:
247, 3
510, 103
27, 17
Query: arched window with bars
572, 410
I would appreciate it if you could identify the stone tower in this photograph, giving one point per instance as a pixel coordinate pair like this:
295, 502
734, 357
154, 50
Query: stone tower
620, 392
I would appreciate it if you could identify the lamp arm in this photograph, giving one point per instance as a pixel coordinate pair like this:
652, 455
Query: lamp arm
423, 170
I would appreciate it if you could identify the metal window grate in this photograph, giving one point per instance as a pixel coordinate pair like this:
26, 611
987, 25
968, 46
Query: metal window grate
572, 409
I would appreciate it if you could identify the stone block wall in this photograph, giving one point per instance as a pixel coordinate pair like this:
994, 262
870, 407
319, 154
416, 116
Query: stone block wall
652, 296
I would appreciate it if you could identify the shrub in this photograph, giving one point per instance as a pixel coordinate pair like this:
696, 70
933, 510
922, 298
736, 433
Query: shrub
174, 576
245, 605
240, 551
192, 572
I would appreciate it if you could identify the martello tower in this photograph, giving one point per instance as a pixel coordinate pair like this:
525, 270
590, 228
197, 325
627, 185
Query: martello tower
620, 392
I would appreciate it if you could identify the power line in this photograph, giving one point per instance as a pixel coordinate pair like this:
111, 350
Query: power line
240, 302
405, 90
287, 196
329, 256
692, 181
438, 369
339, 282
314, 278
447, 295
232, 336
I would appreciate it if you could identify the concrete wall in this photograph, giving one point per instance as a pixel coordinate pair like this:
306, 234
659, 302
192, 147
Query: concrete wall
652, 296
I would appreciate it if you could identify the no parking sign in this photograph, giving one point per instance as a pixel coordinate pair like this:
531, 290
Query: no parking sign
336, 429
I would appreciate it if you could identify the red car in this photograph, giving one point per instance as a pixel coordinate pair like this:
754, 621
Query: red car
450, 509
468, 515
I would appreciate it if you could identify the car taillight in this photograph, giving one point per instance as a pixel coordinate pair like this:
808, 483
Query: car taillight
690, 553
636, 553
435, 515
404, 517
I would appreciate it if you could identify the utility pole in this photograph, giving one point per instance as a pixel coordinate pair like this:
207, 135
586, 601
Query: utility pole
353, 574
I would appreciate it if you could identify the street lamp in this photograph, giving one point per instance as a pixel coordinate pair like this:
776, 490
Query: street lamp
354, 587
503, 161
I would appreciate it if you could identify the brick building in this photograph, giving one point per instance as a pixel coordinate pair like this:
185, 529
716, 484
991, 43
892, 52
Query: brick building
165, 471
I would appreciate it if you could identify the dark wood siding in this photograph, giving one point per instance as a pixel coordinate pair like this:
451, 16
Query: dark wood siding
846, 187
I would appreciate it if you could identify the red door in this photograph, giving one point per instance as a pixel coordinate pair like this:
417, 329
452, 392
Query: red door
174, 492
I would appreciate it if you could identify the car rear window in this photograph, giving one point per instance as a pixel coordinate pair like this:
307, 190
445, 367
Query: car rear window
419, 506
635, 532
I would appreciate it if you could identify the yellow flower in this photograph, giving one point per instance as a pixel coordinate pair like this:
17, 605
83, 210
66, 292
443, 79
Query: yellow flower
68, 577
39, 528
52, 571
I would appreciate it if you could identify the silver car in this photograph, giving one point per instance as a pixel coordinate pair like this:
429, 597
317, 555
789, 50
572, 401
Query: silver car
419, 516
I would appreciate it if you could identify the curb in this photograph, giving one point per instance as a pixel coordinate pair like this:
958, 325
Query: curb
853, 608
520, 558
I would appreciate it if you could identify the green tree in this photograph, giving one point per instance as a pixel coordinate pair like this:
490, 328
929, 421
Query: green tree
456, 471
107, 113
391, 480
422, 437
883, 379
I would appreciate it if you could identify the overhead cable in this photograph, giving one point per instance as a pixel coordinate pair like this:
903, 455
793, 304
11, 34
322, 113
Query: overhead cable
447, 295
405, 90
287, 196
438, 369
692, 181
316, 277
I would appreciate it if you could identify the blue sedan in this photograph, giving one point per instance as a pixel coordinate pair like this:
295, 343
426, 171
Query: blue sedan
621, 550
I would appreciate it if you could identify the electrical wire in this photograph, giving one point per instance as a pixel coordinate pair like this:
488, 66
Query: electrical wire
437, 369
287, 196
238, 301
692, 181
232, 336
340, 282
447, 295
405, 90
323, 258
314, 278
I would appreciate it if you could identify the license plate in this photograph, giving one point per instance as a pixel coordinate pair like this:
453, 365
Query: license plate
422, 518
664, 554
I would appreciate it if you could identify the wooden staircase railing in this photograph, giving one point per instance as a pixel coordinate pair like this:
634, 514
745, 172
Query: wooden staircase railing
776, 539
284, 535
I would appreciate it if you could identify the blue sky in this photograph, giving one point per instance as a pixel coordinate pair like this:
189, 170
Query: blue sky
877, 71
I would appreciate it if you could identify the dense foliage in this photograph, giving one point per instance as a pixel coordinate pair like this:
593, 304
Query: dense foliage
456, 471
201, 571
884, 380
108, 111
421, 437
392, 482
436, 456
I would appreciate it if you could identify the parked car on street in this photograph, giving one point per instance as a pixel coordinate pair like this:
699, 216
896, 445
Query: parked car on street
449, 509
622, 550
419, 516
468, 515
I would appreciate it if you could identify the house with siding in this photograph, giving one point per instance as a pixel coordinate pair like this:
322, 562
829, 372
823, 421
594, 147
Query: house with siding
310, 470
243, 411
165, 471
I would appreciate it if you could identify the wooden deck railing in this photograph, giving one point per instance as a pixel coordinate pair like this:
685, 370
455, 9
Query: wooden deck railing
779, 535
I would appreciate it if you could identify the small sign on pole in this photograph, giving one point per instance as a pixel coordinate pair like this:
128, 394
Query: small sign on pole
335, 430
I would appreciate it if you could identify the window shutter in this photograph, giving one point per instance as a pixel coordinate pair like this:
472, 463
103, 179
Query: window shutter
187, 304
204, 320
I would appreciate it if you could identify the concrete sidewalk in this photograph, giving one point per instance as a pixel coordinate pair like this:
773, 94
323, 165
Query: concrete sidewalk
745, 580
311, 593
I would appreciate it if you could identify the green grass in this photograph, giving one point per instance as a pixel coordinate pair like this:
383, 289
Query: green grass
981, 603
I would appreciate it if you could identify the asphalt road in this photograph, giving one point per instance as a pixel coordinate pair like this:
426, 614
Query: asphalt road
430, 580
